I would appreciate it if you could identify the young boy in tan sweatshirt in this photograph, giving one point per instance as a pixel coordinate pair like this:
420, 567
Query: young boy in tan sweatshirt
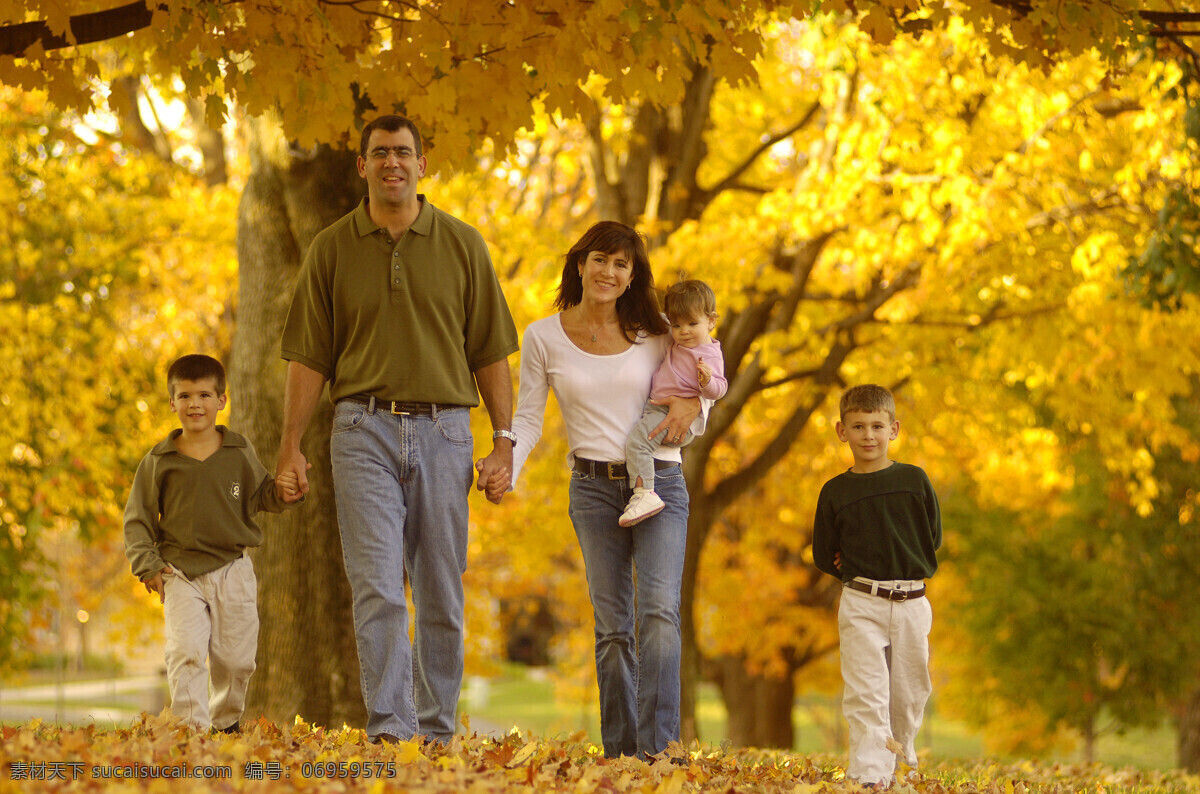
188, 524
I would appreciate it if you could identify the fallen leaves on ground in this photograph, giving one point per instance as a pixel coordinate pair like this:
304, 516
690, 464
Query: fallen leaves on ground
158, 753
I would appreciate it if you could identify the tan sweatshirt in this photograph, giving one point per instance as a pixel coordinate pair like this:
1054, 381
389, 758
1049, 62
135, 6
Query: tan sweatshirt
196, 515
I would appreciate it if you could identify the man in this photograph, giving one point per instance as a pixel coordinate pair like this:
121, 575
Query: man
399, 309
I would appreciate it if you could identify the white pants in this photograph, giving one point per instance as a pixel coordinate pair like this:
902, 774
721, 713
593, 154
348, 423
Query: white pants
885, 667
214, 615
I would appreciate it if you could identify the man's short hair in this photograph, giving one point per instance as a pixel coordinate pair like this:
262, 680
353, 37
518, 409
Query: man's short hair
867, 398
392, 123
195, 366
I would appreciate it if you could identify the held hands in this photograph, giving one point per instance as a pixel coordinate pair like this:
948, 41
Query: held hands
287, 486
704, 373
495, 472
495, 484
155, 583
292, 469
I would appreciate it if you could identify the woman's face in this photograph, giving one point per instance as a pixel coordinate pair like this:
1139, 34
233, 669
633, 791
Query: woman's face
605, 276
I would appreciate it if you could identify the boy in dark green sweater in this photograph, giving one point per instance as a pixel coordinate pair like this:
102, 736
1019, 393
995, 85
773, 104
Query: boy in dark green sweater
877, 529
188, 524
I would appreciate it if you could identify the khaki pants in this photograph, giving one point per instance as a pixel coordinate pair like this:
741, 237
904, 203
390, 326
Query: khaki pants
214, 615
885, 668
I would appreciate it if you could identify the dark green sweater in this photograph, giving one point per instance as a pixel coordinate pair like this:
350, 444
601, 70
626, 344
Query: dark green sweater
196, 515
886, 524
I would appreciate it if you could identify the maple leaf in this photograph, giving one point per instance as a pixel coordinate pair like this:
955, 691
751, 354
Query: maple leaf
524, 755
465, 765
879, 25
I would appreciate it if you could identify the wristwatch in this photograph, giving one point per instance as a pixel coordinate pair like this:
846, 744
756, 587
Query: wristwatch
510, 435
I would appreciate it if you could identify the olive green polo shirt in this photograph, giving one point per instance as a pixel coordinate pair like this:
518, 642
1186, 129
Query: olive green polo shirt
196, 515
408, 319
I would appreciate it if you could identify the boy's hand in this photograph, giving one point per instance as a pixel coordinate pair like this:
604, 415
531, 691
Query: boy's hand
155, 584
704, 373
287, 485
837, 560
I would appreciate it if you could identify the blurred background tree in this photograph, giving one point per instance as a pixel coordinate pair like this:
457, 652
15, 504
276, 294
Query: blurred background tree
877, 195
113, 263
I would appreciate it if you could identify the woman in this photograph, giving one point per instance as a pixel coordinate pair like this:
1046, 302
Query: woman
597, 354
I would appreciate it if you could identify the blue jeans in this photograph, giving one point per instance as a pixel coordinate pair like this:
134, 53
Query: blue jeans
637, 655
401, 485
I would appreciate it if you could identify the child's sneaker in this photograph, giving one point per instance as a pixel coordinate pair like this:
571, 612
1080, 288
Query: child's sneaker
643, 504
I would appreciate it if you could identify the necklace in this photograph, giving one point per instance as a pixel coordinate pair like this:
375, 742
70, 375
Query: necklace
591, 332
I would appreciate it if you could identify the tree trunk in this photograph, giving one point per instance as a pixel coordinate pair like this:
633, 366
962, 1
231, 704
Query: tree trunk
760, 709
307, 660
211, 144
1089, 742
699, 520
1189, 734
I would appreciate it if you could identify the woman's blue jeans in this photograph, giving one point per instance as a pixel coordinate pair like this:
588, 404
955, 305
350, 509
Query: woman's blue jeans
634, 578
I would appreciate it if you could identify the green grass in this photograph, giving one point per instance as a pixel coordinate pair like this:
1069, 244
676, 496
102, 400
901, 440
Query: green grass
524, 698
1145, 749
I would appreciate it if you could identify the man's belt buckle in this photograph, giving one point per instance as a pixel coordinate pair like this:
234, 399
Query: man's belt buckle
899, 595
399, 409
612, 471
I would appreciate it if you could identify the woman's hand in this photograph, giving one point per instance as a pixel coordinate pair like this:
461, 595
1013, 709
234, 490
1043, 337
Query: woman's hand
681, 412
495, 474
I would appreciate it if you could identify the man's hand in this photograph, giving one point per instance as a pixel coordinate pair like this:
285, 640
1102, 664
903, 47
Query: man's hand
287, 486
495, 471
703, 373
292, 469
495, 388
300, 397
155, 584
680, 415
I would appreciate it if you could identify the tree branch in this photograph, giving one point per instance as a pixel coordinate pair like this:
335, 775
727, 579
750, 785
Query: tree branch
1101, 203
1170, 17
995, 314
85, 29
729, 489
608, 195
731, 180
1024, 147
687, 150
774, 311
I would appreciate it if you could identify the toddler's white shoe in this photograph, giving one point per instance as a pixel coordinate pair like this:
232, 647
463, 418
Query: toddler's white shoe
642, 505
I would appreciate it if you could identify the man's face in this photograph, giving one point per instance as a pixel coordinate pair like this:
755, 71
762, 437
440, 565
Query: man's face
391, 167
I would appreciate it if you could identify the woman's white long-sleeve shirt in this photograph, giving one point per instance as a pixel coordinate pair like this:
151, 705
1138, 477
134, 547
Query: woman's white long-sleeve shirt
601, 397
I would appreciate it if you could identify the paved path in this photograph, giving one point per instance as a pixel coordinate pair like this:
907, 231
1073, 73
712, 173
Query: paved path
118, 702
115, 701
